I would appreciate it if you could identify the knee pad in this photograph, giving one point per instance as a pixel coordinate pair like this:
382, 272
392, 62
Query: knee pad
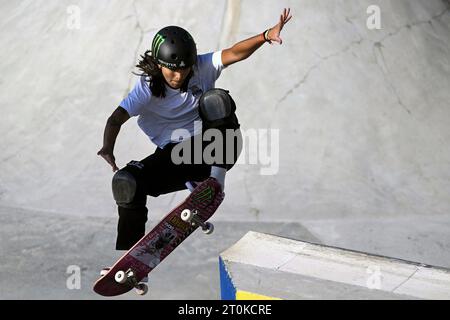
217, 110
124, 187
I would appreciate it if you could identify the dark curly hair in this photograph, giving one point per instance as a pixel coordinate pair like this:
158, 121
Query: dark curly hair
149, 67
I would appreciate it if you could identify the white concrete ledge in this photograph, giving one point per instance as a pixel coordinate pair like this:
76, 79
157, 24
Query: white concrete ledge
261, 265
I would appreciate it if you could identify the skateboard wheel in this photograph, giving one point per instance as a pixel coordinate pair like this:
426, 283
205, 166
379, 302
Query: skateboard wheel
209, 228
141, 289
187, 215
120, 277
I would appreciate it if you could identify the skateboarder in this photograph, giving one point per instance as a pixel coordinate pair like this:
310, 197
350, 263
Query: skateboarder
175, 91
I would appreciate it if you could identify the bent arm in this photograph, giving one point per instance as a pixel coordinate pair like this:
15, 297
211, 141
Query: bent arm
115, 121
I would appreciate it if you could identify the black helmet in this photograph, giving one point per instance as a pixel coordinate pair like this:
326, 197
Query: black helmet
174, 48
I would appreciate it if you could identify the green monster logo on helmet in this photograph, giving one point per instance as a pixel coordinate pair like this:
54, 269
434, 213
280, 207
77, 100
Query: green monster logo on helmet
157, 42
174, 48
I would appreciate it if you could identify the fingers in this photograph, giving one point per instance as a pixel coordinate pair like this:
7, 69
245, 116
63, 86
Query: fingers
287, 12
110, 159
112, 162
287, 19
278, 40
113, 166
286, 16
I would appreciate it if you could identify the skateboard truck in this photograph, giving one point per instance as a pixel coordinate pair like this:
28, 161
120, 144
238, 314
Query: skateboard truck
192, 217
129, 277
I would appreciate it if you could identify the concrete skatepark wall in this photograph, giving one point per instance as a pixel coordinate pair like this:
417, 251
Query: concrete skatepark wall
362, 115
261, 266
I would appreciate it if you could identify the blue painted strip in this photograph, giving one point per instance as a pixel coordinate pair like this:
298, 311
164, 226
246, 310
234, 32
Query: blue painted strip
227, 289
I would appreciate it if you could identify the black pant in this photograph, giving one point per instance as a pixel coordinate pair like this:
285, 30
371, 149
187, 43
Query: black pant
156, 175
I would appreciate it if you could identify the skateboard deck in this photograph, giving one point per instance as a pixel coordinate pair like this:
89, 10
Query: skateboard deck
156, 245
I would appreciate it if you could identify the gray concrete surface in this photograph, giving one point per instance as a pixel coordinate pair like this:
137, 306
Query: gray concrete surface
364, 157
37, 248
282, 268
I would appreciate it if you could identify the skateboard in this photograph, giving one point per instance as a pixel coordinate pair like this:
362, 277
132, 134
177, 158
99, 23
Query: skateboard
156, 245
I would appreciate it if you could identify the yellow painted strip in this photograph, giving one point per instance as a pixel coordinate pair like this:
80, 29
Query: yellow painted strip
245, 295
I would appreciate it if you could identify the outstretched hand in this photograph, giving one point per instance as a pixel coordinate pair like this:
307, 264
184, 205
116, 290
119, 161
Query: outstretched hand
274, 33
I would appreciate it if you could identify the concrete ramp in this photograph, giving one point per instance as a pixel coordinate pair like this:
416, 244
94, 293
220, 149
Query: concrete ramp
262, 266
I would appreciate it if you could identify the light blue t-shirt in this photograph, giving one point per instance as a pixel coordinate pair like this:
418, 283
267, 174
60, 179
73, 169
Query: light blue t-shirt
159, 117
